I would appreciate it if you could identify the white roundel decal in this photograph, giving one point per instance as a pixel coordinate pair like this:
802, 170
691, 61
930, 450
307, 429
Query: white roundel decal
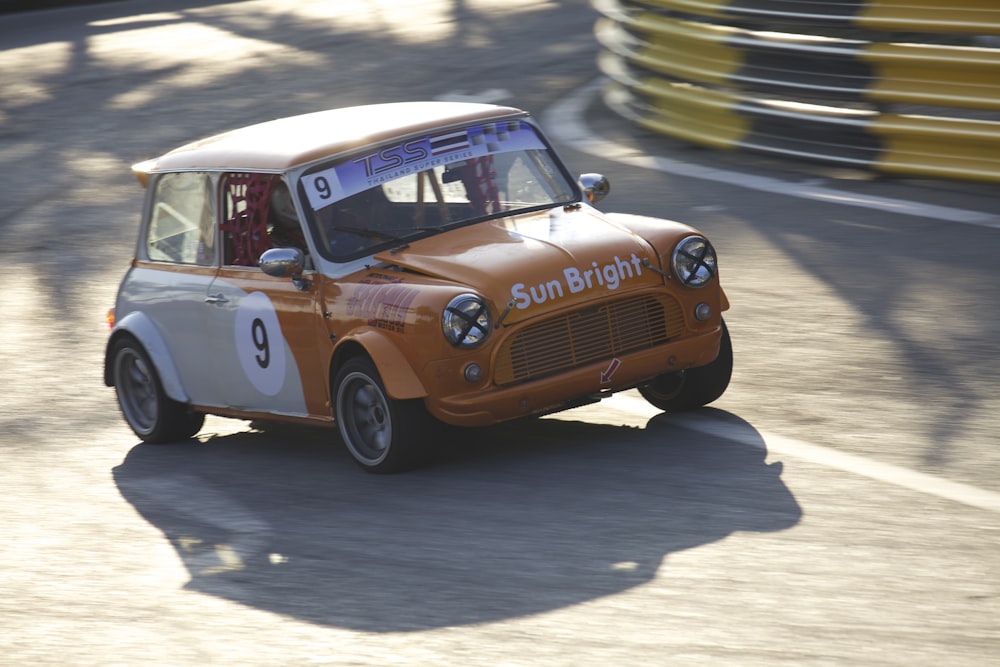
259, 343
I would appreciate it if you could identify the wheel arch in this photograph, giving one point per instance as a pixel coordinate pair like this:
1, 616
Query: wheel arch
400, 380
139, 326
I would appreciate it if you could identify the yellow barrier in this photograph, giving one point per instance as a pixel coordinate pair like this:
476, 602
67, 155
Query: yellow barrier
939, 75
845, 101
974, 17
948, 147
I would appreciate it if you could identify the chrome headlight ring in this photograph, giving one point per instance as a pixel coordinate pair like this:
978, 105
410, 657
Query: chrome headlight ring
466, 321
694, 261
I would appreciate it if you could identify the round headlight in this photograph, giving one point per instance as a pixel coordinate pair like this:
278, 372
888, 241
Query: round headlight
694, 261
466, 321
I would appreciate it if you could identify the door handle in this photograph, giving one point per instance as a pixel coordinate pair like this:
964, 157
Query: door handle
216, 298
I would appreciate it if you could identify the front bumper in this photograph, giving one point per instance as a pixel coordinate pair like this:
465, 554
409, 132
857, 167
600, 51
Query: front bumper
497, 404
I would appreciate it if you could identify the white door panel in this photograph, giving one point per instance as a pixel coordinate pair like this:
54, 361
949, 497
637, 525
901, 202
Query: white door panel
251, 357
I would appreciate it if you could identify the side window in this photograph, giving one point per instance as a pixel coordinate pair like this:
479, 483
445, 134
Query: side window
181, 225
258, 214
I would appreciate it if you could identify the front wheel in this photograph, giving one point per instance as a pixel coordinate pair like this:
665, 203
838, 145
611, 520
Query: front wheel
693, 387
147, 409
382, 434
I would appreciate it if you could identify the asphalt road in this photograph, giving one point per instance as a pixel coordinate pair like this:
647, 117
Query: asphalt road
838, 506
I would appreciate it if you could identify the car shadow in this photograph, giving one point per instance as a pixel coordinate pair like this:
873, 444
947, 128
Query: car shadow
512, 520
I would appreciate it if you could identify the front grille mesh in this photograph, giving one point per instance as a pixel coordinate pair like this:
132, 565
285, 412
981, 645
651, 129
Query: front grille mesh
585, 336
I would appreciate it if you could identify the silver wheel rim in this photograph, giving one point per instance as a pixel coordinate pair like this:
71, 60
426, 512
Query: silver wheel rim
365, 422
136, 387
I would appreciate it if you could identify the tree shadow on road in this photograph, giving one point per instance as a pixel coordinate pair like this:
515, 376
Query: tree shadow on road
515, 520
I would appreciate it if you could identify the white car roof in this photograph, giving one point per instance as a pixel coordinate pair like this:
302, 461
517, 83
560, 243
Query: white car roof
284, 143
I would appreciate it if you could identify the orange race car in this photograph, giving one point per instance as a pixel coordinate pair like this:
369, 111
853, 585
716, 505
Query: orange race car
382, 267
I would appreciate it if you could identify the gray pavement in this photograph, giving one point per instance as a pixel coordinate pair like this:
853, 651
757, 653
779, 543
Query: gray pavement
607, 535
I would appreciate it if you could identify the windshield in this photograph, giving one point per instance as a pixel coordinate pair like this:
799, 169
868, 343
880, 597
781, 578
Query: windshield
408, 189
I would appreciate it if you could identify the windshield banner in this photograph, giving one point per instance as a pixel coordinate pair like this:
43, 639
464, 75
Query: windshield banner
388, 163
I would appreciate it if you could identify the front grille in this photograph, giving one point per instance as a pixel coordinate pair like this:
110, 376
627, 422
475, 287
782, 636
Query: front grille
582, 337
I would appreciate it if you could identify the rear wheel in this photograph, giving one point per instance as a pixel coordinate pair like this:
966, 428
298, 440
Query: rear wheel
693, 387
383, 434
147, 409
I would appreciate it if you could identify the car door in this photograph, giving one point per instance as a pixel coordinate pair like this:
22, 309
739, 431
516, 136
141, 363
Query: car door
269, 350
175, 265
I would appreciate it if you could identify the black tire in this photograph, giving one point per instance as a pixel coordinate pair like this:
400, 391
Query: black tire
693, 387
384, 435
147, 409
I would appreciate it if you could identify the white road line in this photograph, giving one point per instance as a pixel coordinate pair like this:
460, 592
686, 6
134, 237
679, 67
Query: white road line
565, 122
958, 492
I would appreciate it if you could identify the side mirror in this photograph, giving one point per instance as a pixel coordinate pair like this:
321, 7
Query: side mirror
285, 263
595, 187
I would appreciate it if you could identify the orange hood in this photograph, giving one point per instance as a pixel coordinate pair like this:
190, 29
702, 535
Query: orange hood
552, 259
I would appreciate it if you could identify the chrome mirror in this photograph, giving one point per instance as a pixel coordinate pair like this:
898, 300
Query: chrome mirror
285, 263
595, 187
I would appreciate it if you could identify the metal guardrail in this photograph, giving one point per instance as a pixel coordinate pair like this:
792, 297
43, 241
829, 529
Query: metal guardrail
976, 17
842, 100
